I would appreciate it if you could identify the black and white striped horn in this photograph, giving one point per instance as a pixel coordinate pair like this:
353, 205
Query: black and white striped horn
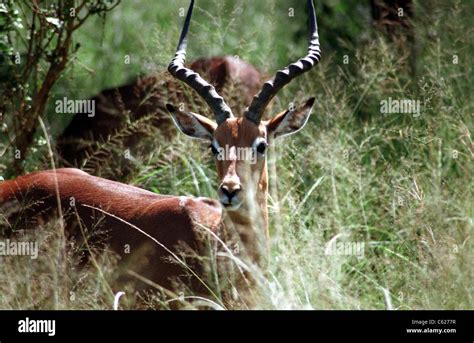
193, 79
256, 109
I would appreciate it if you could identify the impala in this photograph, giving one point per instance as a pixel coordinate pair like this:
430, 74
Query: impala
243, 185
137, 224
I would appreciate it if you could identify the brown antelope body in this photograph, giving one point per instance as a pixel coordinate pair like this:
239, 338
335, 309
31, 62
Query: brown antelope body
243, 182
171, 220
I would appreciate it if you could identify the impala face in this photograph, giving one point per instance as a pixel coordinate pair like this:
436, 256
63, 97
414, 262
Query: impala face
239, 173
242, 181
241, 178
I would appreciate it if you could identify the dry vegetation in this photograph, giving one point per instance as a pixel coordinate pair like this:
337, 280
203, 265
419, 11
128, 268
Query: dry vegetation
401, 185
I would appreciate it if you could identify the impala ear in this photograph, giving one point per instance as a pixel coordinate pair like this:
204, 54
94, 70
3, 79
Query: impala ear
290, 121
192, 124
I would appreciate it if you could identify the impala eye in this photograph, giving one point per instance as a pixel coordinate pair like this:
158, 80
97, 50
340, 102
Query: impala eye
213, 149
261, 148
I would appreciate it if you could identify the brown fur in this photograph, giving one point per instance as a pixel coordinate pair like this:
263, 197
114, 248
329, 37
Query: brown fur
240, 132
169, 219
250, 220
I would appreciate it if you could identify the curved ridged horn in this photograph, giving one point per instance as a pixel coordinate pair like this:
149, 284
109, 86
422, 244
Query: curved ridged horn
255, 111
193, 79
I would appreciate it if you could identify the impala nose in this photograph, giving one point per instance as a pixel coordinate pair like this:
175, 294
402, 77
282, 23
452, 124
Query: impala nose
229, 194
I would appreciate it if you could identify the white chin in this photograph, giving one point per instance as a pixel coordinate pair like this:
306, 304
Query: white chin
231, 207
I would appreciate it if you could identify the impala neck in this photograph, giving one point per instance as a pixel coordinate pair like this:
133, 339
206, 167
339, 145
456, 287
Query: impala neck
251, 223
